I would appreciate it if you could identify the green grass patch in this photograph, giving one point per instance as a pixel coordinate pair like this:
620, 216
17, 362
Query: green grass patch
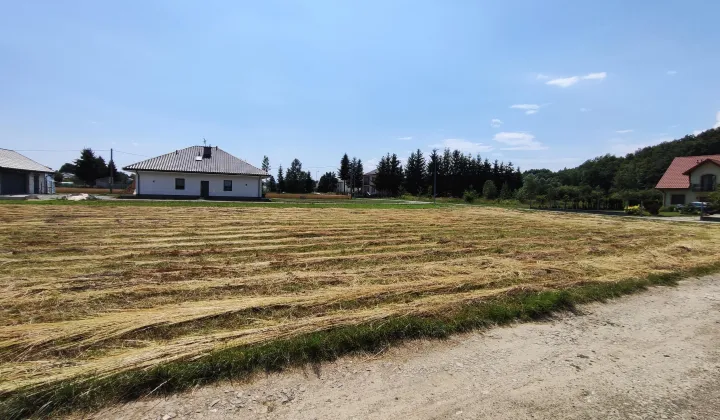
240, 362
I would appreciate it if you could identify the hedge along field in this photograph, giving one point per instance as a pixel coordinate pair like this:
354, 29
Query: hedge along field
92, 293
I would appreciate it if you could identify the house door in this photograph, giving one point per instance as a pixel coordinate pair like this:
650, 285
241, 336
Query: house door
14, 183
205, 189
36, 184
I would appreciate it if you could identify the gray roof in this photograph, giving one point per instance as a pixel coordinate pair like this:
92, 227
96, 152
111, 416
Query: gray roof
10, 159
373, 172
184, 160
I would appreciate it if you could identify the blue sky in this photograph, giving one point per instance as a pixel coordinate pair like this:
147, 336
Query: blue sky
539, 83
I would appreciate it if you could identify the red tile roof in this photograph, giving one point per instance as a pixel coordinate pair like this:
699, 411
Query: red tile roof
675, 176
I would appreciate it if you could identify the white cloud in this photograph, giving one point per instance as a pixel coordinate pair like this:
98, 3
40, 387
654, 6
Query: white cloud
572, 80
624, 131
370, 164
495, 123
518, 141
716, 125
563, 82
671, 72
595, 76
463, 146
525, 106
528, 108
541, 76
584, 110
405, 138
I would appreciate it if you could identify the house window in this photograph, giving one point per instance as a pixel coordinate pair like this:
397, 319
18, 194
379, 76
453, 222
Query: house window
677, 199
227, 185
707, 182
179, 183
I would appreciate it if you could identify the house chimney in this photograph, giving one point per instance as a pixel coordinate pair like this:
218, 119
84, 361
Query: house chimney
207, 152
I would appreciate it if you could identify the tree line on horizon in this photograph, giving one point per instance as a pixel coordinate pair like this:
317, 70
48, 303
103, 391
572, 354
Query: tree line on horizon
603, 182
614, 181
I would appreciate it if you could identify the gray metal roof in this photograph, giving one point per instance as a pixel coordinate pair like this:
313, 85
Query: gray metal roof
185, 160
10, 159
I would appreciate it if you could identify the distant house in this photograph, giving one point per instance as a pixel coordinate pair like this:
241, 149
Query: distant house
342, 187
689, 179
197, 172
368, 187
21, 175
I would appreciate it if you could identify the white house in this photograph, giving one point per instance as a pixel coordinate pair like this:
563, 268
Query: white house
689, 178
368, 186
197, 172
20, 175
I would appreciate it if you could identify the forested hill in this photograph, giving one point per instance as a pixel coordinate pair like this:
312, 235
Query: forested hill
636, 171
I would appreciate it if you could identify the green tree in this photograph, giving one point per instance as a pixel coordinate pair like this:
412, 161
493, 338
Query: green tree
389, 176
295, 178
68, 168
505, 191
344, 172
530, 188
415, 173
489, 190
280, 180
112, 171
309, 183
431, 170
355, 174
714, 198
328, 183
58, 177
101, 168
88, 168
266, 168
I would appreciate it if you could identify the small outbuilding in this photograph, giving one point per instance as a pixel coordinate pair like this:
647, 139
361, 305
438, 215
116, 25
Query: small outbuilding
21, 175
197, 172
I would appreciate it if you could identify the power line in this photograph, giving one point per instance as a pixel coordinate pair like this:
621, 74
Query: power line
57, 150
128, 153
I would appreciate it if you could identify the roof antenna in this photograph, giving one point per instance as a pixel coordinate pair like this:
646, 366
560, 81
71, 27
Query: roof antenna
204, 142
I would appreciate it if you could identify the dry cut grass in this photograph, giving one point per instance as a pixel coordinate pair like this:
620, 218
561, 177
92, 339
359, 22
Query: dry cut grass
89, 292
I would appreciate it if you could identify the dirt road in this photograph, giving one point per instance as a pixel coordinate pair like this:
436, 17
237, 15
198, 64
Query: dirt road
653, 355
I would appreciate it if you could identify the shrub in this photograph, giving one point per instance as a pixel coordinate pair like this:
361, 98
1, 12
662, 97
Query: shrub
470, 195
653, 207
489, 190
635, 211
667, 209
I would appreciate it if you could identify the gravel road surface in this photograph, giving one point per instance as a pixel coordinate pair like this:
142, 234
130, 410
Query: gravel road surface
653, 355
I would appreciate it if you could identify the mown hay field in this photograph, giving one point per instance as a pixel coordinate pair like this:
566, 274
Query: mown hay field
96, 291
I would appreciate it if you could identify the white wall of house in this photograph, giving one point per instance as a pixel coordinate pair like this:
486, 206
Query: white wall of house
163, 183
695, 176
42, 183
704, 169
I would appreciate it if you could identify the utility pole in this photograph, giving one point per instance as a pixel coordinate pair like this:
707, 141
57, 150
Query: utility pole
111, 172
